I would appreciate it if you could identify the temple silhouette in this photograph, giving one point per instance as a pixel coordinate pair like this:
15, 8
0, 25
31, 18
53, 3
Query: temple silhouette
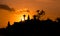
32, 27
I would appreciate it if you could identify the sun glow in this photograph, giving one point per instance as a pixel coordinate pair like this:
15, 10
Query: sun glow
20, 14
22, 18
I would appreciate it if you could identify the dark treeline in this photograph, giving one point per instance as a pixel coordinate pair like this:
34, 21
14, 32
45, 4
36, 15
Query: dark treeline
33, 27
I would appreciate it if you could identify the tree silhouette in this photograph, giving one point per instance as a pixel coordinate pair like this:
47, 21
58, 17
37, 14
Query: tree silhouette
8, 23
58, 19
40, 13
33, 27
35, 17
24, 17
28, 18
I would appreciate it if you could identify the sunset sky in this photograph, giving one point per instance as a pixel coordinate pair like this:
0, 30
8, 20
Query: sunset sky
51, 8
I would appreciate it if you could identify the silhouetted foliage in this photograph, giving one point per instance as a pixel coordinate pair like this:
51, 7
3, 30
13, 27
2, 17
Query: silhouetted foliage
35, 17
40, 13
33, 27
28, 18
24, 16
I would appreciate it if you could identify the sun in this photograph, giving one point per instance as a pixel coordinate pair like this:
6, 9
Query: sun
19, 14
22, 19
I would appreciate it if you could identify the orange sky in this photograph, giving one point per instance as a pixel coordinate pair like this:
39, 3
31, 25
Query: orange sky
51, 8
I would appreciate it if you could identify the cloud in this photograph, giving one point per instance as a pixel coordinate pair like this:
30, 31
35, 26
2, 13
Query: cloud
6, 7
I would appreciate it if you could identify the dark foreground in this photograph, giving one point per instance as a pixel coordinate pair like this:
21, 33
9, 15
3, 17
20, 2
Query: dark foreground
32, 28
